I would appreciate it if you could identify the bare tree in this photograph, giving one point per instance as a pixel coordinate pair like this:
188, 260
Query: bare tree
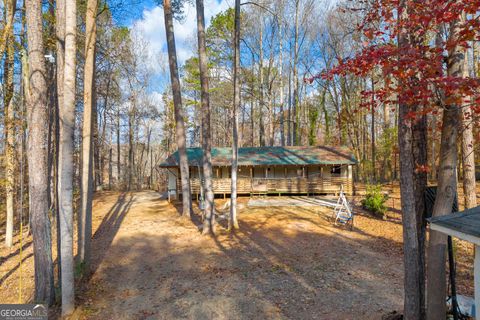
9, 123
209, 222
65, 160
85, 219
295, 77
232, 222
37, 155
177, 101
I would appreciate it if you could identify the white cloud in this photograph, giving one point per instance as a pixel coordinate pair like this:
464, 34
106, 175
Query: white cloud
151, 27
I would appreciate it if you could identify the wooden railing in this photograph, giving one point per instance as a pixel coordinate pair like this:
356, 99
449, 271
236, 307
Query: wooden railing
331, 185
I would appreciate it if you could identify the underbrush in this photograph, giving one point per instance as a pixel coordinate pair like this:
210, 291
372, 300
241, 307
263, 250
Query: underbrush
374, 201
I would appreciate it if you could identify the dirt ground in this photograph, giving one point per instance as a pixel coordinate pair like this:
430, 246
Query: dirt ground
283, 263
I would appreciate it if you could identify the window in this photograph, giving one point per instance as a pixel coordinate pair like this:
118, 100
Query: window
336, 170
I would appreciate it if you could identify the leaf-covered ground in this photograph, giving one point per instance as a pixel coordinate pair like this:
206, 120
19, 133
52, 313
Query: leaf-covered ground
283, 263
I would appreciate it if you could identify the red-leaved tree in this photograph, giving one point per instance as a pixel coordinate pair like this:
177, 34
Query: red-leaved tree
419, 46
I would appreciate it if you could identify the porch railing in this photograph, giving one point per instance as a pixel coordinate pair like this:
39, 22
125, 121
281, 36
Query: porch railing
307, 185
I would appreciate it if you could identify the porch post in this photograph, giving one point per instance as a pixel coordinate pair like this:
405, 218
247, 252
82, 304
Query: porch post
477, 281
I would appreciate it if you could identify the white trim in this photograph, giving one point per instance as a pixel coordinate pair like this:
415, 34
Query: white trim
455, 233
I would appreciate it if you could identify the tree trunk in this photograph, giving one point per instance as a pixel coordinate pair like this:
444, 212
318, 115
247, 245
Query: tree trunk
131, 117
118, 150
261, 126
96, 144
374, 157
468, 152
85, 219
66, 147
8, 28
419, 133
60, 73
412, 278
280, 66
289, 112
209, 215
446, 191
209, 222
37, 155
387, 163
412, 270
295, 77
10, 126
177, 102
232, 222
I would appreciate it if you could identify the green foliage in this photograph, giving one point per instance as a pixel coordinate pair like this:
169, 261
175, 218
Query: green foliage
220, 38
375, 200
177, 8
388, 140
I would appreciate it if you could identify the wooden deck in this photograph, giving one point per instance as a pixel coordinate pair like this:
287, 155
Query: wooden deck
253, 186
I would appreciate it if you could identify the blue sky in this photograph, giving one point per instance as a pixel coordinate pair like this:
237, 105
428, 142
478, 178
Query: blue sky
146, 19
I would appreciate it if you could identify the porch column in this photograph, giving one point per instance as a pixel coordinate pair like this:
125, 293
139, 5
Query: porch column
476, 269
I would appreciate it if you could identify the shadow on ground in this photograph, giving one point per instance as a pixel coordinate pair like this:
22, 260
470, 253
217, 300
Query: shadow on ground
282, 264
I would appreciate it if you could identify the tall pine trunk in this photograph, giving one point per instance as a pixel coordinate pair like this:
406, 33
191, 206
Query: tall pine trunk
232, 222
65, 160
280, 66
118, 149
177, 102
261, 126
295, 78
37, 155
9, 125
209, 222
85, 219
60, 73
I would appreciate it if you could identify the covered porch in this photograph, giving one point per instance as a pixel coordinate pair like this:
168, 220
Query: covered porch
276, 180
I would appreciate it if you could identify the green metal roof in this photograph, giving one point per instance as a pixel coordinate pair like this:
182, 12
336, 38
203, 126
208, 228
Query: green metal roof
268, 156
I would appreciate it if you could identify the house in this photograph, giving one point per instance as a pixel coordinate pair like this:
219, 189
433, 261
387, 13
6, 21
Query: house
270, 170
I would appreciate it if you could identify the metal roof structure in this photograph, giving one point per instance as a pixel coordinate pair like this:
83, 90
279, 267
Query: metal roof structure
269, 156
464, 225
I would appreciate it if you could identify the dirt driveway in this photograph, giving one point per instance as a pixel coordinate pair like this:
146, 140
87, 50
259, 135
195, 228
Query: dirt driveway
284, 263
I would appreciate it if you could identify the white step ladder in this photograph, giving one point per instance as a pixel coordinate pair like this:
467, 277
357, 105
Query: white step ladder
342, 212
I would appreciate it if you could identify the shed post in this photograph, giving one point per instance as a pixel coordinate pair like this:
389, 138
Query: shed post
476, 269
